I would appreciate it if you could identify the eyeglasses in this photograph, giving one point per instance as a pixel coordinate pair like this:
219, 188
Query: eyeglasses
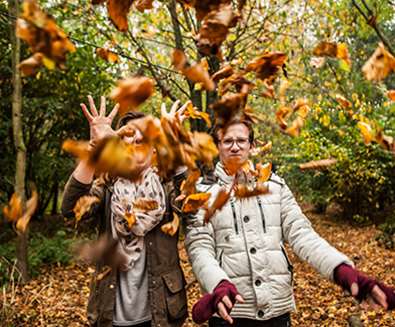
241, 142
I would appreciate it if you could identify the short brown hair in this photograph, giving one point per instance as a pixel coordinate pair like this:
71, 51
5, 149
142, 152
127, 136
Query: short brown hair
131, 115
218, 127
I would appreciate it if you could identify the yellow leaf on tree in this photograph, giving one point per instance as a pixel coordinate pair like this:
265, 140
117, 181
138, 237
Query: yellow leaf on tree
366, 131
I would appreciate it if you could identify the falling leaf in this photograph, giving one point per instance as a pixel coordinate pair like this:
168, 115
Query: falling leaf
145, 204
281, 115
391, 95
224, 72
236, 81
261, 150
366, 131
31, 206
386, 141
264, 172
43, 36
142, 5
130, 218
379, 65
131, 92
195, 73
194, 201
229, 107
188, 185
171, 227
78, 149
107, 55
118, 11
13, 211
193, 113
318, 164
267, 65
222, 197
30, 65
214, 29
83, 205
317, 62
343, 101
245, 191
296, 126
331, 49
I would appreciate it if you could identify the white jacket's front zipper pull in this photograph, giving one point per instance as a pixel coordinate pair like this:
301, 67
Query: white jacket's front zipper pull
232, 204
262, 214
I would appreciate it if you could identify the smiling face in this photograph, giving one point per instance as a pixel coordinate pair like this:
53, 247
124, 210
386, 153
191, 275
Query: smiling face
234, 146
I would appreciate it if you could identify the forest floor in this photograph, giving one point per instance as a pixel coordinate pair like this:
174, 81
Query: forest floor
58, 297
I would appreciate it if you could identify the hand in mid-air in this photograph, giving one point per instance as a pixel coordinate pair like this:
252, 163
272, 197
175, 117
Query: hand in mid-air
175, 112
99, 123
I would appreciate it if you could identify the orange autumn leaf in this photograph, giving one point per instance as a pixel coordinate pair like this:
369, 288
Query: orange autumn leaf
332, 49
222, 197
246, 191
107, 55
130, 218
188, 185
296, 127
230, 106
193, 202
262, 149
131, 92
379, 65
224, 72
78, 149
84, 205
318, 164
343, 101
13, 211
264, 172
366, 131
193, 113
30, 65
281, 115
31, 206
195, 73
145, 204
386, 141
118, 11
171, 227
391, 95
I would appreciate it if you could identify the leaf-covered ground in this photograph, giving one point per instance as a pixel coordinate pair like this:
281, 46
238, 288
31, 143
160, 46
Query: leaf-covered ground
58, 296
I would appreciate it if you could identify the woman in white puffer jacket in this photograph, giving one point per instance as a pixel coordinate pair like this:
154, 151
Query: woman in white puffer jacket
243, 245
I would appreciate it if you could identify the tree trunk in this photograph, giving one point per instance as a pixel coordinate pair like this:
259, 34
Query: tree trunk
20, 167
54, 209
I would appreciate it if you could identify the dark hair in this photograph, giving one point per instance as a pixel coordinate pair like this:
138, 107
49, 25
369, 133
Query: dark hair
218, 127
131, 115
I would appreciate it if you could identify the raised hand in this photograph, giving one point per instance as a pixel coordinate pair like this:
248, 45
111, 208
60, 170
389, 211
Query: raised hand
100, 125
175, 112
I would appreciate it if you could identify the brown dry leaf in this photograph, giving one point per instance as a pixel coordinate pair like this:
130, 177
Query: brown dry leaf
83, 205
103, 274
238, 81
31, 206
41, 33
188, 185
267, 65
391, 95
195, 73
262, 149
379, 65
30, 65
366, 131
229, 107
386, 141
225, 72
78, 149
145, 204
13, 211
264, 172
142, 5
131, 92
171, 227
318, 164
214, 29
222, 197
107, 55
118, 11
130, 218
343, 101
204, 148
331, 49
246, 191
194, 202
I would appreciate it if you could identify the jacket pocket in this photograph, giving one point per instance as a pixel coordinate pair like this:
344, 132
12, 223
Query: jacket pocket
289, 264
175, 294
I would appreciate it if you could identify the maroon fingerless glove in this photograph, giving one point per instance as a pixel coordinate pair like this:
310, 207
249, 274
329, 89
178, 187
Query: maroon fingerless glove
204, 309
345, 276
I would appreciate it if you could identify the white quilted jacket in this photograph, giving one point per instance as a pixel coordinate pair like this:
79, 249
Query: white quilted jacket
243, 243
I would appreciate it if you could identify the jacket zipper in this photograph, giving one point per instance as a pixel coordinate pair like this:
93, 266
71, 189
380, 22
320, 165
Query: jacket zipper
290, 266
234, 217
262, 214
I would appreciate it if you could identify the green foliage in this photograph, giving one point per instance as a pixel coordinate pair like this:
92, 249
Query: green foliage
42, 251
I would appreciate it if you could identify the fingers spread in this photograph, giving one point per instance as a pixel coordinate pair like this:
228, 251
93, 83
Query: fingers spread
92, 106
113, 112
224, 313
163, 110
174, 107
86, 112
102, 106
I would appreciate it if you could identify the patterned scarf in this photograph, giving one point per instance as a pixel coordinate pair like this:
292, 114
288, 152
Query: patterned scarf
131, 240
